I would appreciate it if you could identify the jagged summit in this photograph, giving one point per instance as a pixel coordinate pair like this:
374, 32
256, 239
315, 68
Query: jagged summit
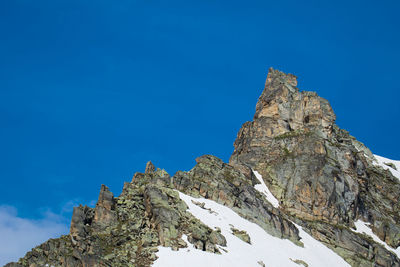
286, 109
298, 190
315, 169
150, 168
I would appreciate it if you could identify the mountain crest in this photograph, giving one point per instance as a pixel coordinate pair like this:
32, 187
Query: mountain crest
293, 175
284, 108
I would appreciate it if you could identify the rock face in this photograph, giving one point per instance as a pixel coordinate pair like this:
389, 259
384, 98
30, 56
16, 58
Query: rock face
318, 172
215, 180
126, 231
324, 179
104, 213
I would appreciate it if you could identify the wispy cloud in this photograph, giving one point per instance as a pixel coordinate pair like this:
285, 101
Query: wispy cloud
19, 235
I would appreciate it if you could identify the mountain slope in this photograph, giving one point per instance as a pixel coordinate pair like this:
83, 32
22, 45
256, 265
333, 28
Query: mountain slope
261, 249
321, 175
298, 190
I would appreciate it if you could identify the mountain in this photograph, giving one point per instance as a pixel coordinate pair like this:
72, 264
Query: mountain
297, 191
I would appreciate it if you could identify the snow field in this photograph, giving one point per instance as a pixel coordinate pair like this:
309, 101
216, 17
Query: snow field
264, 248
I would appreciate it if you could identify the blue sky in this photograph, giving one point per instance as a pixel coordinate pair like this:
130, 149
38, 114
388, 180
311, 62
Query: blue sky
92, 90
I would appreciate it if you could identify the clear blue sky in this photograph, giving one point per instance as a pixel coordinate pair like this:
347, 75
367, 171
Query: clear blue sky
92, 90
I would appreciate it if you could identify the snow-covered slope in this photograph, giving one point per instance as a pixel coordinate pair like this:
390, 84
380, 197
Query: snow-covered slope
263, 250
264, 190
389, 165
363, 228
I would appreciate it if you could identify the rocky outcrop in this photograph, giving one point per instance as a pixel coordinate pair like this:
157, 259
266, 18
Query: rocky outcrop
355, 248
215, 180
317, 171
323, 178
127, 230
104, 213
150, 168
242, 235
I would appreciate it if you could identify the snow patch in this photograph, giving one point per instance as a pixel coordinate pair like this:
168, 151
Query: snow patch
264, 190
380, 161
363, 227
264, 248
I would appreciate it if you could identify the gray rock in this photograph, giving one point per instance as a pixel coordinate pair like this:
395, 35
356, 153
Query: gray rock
104, 212
323, 178
316, 170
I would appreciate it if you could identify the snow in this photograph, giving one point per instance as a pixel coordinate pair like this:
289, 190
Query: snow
381, 162
363, 227
272, 251
264, 190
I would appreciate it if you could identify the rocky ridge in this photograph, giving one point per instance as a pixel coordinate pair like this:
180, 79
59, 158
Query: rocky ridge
324, 179
322, 176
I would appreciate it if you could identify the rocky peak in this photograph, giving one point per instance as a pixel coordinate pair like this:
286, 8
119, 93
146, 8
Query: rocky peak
282, 108
104, 211
106, 198
315, 169
318, 176
150, 168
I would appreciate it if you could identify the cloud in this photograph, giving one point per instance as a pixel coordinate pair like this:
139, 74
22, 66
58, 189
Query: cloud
19, 235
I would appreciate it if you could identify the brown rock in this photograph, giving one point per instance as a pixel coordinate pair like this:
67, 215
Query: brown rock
150, 168
316, 170
104, 212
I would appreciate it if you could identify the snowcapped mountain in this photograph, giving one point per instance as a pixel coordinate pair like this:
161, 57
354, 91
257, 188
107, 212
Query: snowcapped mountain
297, 191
